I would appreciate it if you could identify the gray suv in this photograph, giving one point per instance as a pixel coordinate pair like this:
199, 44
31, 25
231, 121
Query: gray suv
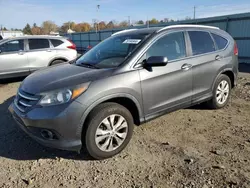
20, 56
130, 78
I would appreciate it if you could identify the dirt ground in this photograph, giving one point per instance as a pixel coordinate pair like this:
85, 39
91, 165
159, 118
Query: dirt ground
194, 147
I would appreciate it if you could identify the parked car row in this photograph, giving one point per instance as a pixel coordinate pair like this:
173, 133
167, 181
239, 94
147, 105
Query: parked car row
21, 56
129, 78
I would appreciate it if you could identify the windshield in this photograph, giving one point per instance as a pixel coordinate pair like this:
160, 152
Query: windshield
111, 52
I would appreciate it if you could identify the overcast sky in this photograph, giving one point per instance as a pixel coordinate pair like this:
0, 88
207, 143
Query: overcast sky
16, 13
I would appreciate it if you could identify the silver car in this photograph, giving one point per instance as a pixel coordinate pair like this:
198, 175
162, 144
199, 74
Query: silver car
21, 56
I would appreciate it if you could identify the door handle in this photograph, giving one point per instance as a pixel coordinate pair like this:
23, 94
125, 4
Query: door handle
48, 50
218, 58
186, 66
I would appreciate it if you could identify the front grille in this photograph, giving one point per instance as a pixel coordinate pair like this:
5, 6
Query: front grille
25, 101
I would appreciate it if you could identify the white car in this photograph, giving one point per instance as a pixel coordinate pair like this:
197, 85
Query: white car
21, 56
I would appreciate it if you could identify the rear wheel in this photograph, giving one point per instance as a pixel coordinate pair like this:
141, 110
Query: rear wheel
109, 129
221, 92
57, 62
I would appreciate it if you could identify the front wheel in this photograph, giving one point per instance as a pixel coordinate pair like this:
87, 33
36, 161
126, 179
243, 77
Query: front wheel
109, 130
221, 92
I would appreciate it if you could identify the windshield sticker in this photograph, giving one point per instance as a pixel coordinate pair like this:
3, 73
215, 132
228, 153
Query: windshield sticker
132, 41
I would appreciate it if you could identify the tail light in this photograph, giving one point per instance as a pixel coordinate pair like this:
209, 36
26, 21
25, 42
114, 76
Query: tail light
89, 47
72, 46
236, 51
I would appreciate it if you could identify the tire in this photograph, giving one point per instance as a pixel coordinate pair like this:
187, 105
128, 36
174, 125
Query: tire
215, 102
96, 145
57, 62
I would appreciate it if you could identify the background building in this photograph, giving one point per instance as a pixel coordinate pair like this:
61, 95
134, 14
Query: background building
7, 34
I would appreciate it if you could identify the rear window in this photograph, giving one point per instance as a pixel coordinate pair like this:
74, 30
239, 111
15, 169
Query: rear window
56, 42
220, 41
35, 44
201, 42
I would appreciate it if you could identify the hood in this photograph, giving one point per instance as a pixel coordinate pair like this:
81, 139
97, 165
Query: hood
61, 76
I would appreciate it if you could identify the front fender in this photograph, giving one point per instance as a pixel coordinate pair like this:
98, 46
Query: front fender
103, 99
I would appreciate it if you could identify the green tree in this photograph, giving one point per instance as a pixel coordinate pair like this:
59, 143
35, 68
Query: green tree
27, 29
153, 21
140, 22
5, 29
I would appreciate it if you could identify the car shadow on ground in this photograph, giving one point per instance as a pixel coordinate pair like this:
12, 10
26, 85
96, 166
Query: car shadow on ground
15, 144
11, 80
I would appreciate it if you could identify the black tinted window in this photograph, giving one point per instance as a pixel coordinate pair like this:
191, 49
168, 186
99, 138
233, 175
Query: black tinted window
171, 46
220, 41
56, 42
201, 42
38, 44
12, 46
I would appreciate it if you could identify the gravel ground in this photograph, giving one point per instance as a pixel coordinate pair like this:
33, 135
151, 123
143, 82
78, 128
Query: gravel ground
193, 147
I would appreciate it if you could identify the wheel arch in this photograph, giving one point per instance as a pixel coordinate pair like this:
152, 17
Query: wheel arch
229, 72
126, 100
58, 58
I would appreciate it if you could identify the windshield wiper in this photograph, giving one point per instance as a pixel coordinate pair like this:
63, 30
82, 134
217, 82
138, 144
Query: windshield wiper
88, 65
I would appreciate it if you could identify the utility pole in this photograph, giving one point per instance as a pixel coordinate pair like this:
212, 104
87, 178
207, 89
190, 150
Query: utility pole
97, 23
147, 22
129, 22
194, 12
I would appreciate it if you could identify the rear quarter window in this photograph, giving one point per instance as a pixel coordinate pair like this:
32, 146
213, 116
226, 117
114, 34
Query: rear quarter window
56, 42
201, 42
220, 41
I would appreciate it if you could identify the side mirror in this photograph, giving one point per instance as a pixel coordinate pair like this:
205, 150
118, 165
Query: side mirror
156, 61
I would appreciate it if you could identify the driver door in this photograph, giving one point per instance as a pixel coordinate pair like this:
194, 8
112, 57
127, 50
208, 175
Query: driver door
13, 58
170, 87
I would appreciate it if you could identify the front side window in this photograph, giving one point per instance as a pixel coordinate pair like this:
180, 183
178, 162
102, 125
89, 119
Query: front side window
35, 44
220, 41
171, 46
201, 42
111, 52
12, 46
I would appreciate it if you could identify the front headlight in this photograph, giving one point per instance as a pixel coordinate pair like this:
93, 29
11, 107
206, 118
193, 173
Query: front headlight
62, 96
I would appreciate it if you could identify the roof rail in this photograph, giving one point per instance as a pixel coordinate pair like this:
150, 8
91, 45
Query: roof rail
123, 31
186, 25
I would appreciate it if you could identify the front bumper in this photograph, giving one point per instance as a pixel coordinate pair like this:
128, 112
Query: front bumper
62, 120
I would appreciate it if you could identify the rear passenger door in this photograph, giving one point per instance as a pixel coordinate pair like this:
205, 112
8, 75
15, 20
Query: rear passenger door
205, 62
40, 53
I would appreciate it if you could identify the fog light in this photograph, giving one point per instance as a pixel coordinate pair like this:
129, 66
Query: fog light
48, 135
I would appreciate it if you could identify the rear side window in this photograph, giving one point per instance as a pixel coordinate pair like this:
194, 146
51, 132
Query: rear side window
56, 42
220, 41
35, 44
201, 42
171, 46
